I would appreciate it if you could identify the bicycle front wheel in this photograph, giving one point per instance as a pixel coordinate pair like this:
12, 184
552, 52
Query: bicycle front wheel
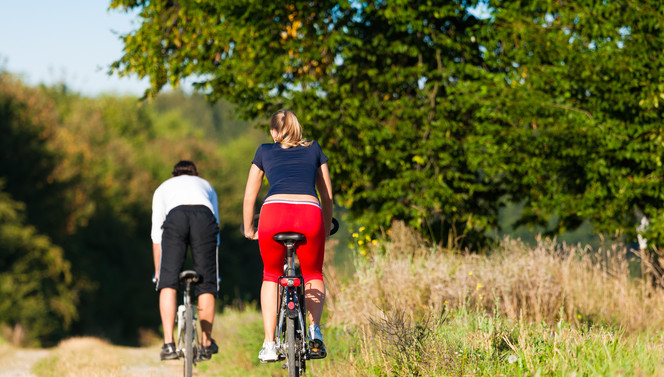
188, 341
292, 354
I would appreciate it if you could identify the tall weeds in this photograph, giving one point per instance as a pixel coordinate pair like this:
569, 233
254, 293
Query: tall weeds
550, 309
548, 282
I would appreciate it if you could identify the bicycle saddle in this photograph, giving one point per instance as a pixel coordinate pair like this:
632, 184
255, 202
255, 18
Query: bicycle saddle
289, 236
190, 274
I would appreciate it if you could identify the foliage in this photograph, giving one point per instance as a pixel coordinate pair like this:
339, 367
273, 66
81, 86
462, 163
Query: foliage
38, 295
84, 171
583, 105
436, 117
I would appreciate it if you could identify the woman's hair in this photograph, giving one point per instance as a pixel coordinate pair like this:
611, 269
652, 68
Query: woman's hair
184, 167
289, 130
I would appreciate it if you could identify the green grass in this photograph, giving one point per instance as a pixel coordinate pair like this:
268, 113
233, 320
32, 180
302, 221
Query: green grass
478, 344
459, 343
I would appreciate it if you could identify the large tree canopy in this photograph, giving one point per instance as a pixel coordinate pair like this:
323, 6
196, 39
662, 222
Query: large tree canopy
432, 115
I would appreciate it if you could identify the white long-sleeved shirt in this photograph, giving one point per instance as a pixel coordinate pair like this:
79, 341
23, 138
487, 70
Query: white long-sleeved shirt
177, 191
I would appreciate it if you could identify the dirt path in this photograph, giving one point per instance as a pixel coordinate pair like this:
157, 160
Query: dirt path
19, 362
85, 357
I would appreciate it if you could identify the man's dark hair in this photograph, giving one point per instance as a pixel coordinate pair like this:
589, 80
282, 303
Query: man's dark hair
184, 167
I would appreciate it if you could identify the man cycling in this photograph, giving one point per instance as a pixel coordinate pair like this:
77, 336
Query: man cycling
185, 213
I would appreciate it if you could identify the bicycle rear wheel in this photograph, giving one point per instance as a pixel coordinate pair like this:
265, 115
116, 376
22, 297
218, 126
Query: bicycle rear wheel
188, 341
292, 354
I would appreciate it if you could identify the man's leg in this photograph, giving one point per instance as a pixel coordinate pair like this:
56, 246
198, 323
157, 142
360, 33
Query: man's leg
206, 316
167, 308
203, 239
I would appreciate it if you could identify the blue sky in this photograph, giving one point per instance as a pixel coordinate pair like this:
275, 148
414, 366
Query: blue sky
71, 41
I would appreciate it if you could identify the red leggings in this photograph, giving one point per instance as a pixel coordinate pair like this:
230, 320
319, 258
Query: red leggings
291, 216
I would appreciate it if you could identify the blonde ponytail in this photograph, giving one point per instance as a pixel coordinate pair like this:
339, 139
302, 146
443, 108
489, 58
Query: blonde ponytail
289, 130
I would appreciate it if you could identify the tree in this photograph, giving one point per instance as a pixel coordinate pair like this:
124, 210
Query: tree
38, 295
432, 115
584, 99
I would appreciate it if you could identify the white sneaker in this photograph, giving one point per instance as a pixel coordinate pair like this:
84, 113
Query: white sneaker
269, 352
315, 334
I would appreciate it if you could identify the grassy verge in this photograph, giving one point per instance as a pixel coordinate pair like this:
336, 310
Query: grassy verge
415, 310
548, 310
478, 344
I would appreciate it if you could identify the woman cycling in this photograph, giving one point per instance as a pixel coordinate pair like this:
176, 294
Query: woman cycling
295, 168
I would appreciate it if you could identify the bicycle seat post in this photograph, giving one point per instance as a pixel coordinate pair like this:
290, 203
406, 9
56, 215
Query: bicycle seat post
290, 248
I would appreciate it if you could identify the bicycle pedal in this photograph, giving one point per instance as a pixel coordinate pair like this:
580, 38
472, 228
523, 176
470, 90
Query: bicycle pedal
317, 353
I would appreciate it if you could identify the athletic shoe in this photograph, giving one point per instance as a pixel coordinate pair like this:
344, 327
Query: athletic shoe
316, 344
168, 352
206, 352
269, 353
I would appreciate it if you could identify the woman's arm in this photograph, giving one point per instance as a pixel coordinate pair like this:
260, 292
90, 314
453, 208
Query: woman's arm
324, 186
254, 182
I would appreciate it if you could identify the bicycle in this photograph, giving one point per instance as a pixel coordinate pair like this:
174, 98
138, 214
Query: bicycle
188, 345
188, 342
291, 333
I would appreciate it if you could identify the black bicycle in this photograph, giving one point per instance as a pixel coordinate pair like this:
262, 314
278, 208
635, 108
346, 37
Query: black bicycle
188, 345
291, 335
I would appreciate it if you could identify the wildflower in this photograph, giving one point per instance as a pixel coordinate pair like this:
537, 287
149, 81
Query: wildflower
355, 235
374, 242
361, 229
511, 359
578, 316
479, 285
470, 273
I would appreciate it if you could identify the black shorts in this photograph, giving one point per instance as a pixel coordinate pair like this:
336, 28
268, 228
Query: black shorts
193, 226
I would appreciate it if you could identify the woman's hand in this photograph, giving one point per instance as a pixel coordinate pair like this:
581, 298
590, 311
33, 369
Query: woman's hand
250, 234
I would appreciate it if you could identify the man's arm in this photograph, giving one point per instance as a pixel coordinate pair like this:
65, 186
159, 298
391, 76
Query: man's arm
156, 254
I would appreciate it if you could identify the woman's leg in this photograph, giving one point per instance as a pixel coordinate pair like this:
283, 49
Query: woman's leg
269, 309
314, 296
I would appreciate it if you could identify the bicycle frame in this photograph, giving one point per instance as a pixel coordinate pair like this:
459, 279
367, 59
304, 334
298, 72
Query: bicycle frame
188, 342
291, 324
291, 309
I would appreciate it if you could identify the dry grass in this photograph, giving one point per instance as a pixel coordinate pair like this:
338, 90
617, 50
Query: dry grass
551, 309
549, 282
93, 357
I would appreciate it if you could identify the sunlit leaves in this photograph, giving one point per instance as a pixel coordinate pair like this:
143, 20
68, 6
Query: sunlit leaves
435, 117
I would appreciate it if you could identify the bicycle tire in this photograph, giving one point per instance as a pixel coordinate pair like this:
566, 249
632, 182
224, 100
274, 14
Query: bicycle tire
188, 341
291, 361
302, 338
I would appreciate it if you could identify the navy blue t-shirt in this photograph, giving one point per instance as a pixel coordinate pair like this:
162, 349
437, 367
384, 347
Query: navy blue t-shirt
292, 170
